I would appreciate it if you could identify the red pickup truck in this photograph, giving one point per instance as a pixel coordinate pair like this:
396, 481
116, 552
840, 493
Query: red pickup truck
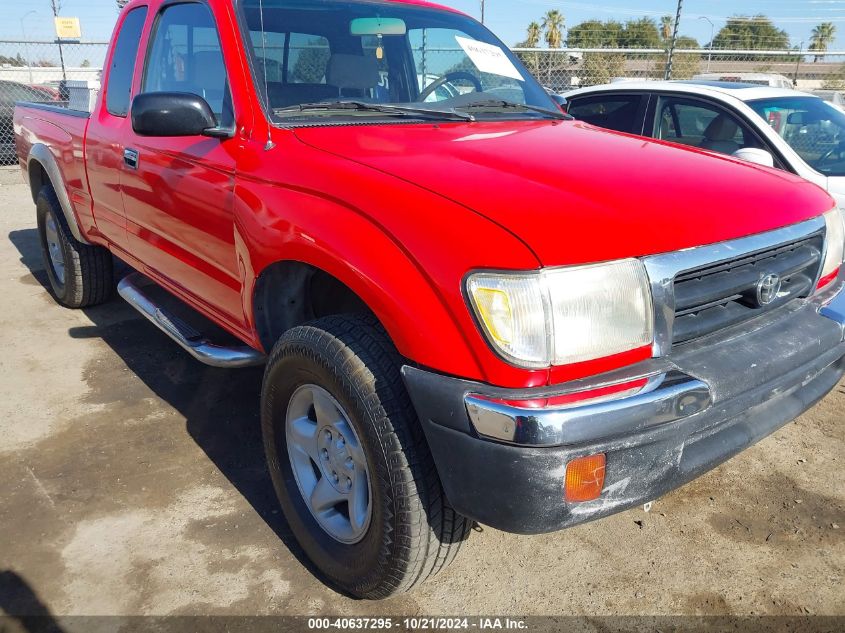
470, 306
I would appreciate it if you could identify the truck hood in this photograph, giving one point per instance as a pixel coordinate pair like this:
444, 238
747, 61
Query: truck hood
574, 193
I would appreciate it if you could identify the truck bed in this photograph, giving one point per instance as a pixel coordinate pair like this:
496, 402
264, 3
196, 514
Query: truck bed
62, 131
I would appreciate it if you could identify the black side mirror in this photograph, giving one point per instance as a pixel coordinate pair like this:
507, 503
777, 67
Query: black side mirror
560, 100
174, 114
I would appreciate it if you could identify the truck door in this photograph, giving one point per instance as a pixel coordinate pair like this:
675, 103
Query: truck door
178, 191
108, 128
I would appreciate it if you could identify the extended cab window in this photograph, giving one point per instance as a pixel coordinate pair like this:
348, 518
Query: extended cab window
307, 58
185, 56
700, 124
286, 58
292, 66
123, 62
615, 112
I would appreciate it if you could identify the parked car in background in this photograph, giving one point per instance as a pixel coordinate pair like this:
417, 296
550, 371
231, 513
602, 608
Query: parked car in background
833, 97
791, 130
51, 93
10, 92
773, 80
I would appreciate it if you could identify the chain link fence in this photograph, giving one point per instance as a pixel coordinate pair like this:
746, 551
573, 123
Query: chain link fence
567, 69
40, 71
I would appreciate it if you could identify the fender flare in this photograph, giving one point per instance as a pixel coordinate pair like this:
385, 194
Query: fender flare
40, 154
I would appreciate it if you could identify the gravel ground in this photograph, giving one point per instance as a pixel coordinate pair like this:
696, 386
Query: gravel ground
133, 483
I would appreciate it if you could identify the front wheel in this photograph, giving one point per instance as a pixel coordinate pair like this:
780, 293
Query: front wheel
349, 461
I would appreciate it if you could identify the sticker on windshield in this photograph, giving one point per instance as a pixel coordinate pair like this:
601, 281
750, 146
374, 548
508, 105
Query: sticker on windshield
489, 58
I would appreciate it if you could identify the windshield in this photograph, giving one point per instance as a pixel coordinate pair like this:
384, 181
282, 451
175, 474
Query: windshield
397, 59
813, 128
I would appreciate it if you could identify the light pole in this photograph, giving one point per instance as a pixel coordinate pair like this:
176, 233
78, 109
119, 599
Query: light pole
482, 11
709, 46
25, 43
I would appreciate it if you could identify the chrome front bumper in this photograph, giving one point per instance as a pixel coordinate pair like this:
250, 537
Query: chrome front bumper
504, 465
668, 395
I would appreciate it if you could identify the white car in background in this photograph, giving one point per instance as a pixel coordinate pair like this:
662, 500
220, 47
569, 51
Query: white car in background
779, 127
759, 79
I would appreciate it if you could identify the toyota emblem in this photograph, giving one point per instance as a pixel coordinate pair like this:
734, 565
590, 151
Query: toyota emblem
768, 289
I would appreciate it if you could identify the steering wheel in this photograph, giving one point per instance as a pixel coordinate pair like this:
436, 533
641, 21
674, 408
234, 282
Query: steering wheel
836, 151
454, 75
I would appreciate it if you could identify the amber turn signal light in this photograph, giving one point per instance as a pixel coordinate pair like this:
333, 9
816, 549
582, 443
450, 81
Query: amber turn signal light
584, 478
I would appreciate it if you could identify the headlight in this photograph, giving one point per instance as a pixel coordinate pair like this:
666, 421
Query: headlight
564, 315
835, 253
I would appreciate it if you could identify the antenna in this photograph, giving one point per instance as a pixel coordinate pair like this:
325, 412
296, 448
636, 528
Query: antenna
270, 144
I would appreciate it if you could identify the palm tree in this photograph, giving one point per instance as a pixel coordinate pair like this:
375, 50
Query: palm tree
535, 32
553, 25
667, 25
822, 36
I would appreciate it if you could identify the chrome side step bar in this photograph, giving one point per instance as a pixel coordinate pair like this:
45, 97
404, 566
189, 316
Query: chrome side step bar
131, 289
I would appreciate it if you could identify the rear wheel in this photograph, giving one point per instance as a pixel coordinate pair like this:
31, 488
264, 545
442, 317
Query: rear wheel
349, 461
80, 275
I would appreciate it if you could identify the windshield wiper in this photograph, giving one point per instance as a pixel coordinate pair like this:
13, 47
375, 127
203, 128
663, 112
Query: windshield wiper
362, 106
503, 104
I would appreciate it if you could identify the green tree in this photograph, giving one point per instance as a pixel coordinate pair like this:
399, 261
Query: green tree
600, 68
595, 34
751, 33
822, 36
533, 35
641, 33
553, 25
686, 65
532, 40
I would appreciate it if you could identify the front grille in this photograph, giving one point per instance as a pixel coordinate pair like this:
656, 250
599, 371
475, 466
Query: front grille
719, 295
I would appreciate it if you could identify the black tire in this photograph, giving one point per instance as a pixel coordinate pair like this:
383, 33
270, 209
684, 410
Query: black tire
88, 276
414, 532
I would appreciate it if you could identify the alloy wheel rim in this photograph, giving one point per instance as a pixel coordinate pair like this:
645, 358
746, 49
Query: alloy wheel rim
54, 248
328, 464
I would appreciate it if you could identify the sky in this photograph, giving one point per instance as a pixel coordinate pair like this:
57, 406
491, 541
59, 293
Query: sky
507, 18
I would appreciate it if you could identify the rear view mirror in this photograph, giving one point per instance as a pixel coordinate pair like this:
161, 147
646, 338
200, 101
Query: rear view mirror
377, 26
802, 118
174, 114
756, 156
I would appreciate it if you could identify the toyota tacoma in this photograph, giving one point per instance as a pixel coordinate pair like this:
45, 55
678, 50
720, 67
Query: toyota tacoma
470, 307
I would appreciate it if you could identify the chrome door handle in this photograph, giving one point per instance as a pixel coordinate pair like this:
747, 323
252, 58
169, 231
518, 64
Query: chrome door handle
130, 157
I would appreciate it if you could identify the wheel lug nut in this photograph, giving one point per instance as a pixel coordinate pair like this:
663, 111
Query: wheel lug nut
324, 454
327, 434
349, 463
335, 477
348, 483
